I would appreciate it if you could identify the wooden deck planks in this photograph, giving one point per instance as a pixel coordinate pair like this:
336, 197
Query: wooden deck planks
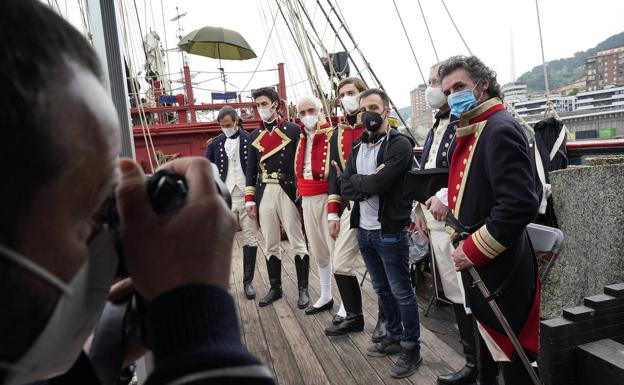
295, 347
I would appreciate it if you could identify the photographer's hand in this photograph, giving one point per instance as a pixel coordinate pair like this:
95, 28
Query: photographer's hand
192, 245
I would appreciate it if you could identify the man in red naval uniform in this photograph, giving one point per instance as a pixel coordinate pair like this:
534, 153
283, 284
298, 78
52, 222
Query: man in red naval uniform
271, 187
492, 191
312, 167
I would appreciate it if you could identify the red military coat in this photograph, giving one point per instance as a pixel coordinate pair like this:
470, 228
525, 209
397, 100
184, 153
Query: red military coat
320, 164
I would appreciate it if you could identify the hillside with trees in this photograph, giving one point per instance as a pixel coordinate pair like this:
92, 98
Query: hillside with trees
562, 72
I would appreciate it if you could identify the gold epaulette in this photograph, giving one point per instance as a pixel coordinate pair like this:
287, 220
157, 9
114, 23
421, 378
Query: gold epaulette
393, 122
209, 141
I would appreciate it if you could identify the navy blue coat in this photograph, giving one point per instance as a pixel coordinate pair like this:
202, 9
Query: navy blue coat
272, 154
217, 155
447, 144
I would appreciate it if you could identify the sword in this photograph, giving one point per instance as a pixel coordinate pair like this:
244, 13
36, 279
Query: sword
462, 233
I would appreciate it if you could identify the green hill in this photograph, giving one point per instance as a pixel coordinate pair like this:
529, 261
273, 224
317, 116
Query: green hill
406, 112
562, 72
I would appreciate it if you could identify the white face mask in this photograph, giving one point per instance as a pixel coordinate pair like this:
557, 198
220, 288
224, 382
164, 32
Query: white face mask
350, 103
310, 121
435, 97
229, 131
266, 113
78, 309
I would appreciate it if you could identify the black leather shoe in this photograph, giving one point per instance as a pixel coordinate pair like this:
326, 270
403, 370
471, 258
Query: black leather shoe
337, 319
302, 265
314, 310
465, 376
249, 266
274, 268
352, 323
380, 331
250, 292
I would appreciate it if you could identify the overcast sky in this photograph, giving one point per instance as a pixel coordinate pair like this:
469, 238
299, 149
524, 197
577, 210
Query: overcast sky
568, 26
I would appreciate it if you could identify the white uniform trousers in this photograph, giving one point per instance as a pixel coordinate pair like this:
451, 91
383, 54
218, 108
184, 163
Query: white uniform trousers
248, 226
277, 207
346, 256
317, 228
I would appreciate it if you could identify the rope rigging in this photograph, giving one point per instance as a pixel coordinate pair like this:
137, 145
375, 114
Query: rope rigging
435, 52
304, 48
263, 52
129, 54
456, 28
409, 42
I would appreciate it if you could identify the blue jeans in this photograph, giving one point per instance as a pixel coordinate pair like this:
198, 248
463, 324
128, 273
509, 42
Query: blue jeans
387, 260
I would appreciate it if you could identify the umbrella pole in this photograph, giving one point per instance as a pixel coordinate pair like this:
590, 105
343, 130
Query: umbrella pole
221, 68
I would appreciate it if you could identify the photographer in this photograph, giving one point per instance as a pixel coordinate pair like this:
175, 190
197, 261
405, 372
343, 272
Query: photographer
59, 148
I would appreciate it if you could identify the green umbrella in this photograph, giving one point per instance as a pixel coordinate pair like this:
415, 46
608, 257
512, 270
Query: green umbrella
217, 43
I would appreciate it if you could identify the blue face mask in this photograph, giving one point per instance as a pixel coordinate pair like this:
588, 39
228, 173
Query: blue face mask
462, 101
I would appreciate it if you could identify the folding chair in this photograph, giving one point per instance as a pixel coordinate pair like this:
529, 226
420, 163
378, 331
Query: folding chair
547, 243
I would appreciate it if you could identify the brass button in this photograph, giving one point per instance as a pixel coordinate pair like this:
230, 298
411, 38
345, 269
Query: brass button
446, 145
274, 175
470, 148
444, 153
457, 187
461, 174
454, 199
465, 161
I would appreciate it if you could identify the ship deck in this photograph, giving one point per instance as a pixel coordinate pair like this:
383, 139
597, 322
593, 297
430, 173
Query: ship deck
295, 348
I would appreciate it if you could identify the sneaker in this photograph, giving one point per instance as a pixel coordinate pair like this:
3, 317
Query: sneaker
386, 347
406, 365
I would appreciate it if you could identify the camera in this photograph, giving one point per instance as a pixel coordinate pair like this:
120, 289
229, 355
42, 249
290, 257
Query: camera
123, 322
167, 192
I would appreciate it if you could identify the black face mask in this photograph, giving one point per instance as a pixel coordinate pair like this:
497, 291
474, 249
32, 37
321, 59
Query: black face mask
372, 120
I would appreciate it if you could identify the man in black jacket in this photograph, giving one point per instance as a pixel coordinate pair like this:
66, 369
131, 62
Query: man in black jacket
374, 180
60, 149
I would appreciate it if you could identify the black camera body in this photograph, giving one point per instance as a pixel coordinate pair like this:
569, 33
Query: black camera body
167, 193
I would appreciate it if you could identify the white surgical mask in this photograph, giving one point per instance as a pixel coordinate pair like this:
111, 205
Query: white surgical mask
266, 113
76, 312
310, 121
435, 97
229, 131
350, 103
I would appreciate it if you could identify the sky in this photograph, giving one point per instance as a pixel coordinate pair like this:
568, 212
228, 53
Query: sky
568, 26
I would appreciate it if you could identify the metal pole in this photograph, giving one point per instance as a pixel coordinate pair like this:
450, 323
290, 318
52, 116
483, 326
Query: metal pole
281, 88
189, 92
106, 41
503, 321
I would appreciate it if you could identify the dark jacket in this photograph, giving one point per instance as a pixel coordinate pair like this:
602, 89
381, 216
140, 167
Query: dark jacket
193, 333
394, 208
216, 152
492, 187
272, 155
447, 142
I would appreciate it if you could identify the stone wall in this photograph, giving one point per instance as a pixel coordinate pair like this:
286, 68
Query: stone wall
589, 204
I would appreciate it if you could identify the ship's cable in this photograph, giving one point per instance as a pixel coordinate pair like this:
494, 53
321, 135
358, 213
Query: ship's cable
409, 42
